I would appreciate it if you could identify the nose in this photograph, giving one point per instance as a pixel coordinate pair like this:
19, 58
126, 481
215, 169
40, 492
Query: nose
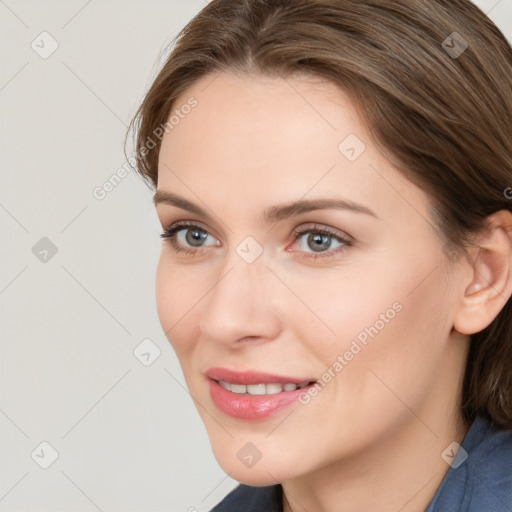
241, 306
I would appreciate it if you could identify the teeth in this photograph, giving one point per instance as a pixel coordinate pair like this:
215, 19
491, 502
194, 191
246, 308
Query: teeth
238, 388
257, 389
225, 385
274, 388
260, 389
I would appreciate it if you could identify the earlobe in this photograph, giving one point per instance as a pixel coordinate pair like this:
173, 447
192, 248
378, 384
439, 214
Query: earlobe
490, 286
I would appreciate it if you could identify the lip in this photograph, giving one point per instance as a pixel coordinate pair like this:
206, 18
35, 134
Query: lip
251, 377
252, 407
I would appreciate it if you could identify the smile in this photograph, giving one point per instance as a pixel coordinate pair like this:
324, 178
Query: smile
261, 389
251, 395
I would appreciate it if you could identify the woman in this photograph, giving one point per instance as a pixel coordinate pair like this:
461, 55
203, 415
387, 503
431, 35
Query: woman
333, 181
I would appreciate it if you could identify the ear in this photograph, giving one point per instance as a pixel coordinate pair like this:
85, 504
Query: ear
489, 287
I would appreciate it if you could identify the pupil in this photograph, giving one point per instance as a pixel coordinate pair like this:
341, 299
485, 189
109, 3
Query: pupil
195, 236
321, 241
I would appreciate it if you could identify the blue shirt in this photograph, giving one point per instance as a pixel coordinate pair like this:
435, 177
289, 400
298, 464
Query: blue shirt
482, 482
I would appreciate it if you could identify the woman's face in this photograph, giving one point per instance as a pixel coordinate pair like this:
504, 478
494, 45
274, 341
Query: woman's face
361, 299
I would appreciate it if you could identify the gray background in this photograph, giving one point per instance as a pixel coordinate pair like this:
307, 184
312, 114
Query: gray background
127, 434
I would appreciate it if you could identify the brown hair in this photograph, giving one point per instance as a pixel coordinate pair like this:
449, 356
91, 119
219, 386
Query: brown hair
444, 119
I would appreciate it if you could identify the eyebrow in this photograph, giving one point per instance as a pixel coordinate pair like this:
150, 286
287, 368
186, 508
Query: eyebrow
275, 213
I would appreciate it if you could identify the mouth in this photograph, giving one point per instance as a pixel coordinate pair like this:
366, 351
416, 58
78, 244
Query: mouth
254, 395
270, 388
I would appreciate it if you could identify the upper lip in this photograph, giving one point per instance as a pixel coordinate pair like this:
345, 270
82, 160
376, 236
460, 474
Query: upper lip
253, 377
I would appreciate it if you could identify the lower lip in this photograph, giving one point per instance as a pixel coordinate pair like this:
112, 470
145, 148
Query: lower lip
252, 407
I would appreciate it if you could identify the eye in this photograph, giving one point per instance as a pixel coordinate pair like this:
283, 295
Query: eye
193, 234
320, 238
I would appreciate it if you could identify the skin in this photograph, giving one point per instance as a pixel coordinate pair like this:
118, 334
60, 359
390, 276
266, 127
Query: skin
382, 422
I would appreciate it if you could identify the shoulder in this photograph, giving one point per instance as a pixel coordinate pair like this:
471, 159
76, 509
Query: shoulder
490, 470
252, 499
480, 477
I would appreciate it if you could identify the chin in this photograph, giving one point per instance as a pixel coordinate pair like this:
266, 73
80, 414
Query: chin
252, 476
266, 471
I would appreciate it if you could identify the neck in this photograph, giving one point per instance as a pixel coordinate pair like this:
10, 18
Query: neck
402, 472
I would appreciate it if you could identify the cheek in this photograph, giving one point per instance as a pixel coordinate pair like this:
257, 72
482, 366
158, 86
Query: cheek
345, 304
389, 320
177, 293
392, 339
166, 294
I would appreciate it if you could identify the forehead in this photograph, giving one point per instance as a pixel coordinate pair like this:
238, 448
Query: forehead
260, 104
270, 140
246, 124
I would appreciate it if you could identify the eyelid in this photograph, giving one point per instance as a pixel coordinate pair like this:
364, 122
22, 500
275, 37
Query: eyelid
316, 227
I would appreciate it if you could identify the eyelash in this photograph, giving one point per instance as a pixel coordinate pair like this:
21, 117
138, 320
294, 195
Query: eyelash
171, 232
